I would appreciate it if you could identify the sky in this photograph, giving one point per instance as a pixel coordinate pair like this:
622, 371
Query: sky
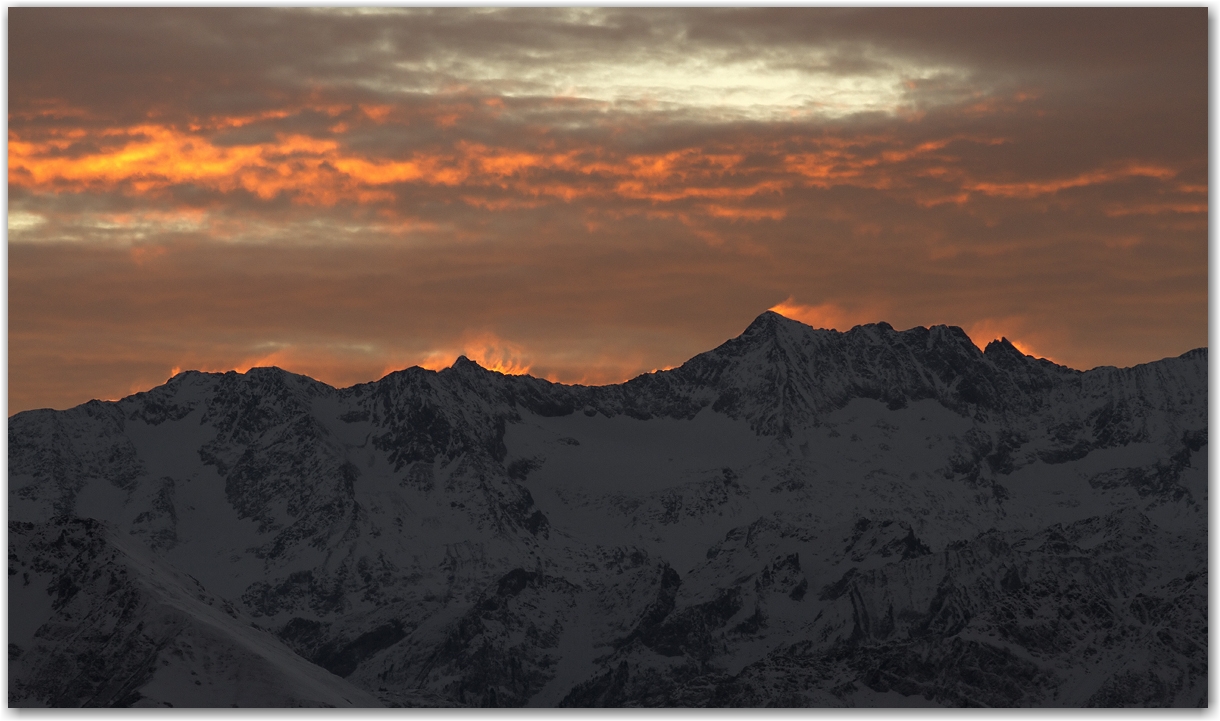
585, 194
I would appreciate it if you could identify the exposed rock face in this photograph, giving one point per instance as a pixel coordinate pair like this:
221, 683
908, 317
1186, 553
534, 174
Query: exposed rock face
94, 621
798, 517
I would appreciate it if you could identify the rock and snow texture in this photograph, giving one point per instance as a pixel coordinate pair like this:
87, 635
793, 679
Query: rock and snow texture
799, 517
94, 621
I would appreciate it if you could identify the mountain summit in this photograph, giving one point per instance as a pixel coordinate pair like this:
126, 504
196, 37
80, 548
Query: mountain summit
797, 517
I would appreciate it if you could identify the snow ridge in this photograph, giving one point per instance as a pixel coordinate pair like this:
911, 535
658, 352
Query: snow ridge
798, 517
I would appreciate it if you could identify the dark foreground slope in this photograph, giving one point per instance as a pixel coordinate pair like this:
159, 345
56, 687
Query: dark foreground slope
798, 517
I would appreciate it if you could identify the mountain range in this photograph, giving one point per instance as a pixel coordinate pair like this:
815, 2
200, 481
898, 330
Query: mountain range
799, 517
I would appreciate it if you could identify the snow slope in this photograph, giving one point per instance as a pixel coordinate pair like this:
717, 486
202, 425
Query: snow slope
797, 517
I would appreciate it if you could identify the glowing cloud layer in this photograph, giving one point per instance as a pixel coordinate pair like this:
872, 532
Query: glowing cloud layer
588, 194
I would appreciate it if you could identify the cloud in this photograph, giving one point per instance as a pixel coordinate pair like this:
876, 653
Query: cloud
19, 221
591, 193
1016, 329
739, 176
485, 348
829, 316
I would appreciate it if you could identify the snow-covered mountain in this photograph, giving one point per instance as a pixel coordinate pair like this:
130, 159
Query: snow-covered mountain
798, 517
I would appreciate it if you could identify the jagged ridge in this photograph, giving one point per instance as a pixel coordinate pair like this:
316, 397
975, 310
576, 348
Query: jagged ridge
688, 537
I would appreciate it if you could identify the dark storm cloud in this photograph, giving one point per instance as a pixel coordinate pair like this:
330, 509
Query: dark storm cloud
591, 193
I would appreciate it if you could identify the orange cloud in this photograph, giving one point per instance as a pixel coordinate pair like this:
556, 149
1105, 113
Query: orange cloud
1118, 211
150, 158
830, 316
336, 365
988, 329
871, 161
1094, 177
376, 113
142, 254
752, 214
485, 348
495, 354
340, 369
147, 158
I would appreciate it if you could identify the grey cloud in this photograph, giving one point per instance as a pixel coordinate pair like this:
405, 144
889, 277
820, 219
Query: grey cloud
234, 59
606, 275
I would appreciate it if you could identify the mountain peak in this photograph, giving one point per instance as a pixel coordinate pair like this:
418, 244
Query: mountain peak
463, 363
879, 331
768, 323
701, 491
1002, 349
766, 319
999, 344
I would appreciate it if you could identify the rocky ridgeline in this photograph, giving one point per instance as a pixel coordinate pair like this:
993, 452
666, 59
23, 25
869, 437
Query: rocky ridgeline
798, 517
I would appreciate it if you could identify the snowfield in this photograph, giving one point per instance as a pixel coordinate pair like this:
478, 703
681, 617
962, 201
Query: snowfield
799, 517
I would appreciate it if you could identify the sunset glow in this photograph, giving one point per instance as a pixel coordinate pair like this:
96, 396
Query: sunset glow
589, 194
152, 160
825, 315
